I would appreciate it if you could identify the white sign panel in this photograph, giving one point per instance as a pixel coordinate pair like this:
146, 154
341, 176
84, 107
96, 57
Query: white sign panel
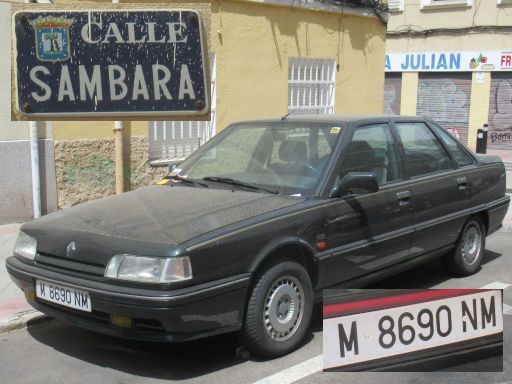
389, 332
449, 61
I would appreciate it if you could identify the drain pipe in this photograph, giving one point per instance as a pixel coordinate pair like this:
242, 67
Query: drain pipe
119, 149
34, 165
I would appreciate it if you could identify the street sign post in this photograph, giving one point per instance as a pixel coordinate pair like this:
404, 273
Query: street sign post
118, 63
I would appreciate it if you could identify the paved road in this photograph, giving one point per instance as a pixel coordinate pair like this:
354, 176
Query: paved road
59, 353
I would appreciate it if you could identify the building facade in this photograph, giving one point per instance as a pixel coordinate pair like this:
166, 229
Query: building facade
267, 58
16, 203
452, 60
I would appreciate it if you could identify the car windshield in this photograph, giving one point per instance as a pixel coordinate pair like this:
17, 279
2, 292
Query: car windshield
286, 158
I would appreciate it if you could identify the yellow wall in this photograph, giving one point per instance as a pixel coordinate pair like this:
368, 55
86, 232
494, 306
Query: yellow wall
479, 107
252, 51
409, 99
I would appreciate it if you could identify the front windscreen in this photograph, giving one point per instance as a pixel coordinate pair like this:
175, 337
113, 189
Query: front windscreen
286, 157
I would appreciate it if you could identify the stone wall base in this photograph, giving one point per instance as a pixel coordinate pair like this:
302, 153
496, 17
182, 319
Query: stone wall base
85, 169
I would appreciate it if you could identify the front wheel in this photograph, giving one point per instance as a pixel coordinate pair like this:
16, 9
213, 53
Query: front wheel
467, 257
278, 311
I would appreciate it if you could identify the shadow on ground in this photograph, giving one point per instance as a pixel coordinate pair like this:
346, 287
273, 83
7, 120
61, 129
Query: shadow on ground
148, 359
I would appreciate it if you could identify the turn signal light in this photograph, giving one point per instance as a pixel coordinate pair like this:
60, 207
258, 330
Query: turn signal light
121, 321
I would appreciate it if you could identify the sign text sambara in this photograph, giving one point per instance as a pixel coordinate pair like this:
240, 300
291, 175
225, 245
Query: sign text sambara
110, 63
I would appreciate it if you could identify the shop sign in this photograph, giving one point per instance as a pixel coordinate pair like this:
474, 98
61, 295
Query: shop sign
448, 61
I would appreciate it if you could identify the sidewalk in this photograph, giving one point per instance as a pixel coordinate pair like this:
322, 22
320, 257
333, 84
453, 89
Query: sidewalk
16, 313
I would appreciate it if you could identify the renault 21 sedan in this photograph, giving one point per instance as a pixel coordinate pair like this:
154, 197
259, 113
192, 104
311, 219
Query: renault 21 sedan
247, 231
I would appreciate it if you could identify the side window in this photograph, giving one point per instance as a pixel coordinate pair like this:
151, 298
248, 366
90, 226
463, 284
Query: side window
371, 150
461, 156
424, 154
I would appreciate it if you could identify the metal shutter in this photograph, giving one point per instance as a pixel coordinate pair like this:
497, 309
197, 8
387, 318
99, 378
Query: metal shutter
392, 93
500, 111
445, 97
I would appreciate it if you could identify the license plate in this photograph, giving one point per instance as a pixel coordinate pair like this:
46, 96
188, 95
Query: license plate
379, 334
66, 296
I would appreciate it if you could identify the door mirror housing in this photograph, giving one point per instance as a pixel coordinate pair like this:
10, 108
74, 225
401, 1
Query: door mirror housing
356, 183
173, 166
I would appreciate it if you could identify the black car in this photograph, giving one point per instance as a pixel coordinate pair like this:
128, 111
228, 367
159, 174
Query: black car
249, 229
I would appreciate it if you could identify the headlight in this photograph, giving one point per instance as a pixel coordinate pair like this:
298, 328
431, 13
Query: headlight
25, 246
149, 269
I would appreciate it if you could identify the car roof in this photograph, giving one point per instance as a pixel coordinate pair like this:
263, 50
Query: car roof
332, 119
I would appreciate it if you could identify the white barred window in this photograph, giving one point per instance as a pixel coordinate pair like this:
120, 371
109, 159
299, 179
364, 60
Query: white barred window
396, 5
426, 4
311, 84
175, 140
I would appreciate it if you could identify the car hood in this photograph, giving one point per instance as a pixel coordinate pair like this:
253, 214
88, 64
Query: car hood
160, 215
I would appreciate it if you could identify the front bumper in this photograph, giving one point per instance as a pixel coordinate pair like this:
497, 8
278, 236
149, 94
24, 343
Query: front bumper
182, 314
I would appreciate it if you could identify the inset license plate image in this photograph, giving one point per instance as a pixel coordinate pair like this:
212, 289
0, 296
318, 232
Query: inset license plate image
410, 330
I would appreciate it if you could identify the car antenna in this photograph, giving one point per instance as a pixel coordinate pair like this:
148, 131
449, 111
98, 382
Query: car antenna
285, 116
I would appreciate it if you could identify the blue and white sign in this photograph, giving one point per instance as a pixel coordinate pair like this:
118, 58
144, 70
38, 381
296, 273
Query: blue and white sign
464, 61
110, 63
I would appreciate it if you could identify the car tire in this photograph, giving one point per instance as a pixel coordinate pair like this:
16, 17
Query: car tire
467, 256
278, 311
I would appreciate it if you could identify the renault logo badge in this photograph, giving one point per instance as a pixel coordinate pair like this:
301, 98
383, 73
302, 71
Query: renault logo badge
71, 249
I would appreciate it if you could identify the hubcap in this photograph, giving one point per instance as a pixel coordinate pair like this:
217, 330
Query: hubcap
284, 307
471, 244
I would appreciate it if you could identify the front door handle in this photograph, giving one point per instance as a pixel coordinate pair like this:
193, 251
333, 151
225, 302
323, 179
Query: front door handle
404, 198
462, 183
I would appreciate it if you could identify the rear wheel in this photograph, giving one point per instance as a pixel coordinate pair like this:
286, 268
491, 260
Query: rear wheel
467, 257
278, 311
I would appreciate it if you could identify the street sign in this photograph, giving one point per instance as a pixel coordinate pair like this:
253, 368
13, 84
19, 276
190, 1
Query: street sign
110, 63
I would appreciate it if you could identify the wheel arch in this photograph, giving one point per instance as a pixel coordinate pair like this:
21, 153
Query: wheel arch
293, 249
482, 215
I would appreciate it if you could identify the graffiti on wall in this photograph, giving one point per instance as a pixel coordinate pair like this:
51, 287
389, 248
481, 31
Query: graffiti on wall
392, 93
390, 100
447, 102
500, 113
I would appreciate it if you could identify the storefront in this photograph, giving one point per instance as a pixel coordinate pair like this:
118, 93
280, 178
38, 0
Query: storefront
460, 90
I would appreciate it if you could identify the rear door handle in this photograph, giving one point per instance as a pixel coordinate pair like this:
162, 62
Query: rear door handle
462, 182
404, 198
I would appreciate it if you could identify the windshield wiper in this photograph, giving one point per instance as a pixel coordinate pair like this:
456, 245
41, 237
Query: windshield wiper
186, 180
238, 183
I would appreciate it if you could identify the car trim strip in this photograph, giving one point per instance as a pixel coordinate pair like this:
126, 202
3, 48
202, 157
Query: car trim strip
159, 299
362, 243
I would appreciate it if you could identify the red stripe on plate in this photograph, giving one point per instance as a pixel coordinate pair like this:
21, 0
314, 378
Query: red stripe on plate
332, 310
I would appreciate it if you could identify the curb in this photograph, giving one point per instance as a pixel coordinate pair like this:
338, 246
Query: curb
22, 320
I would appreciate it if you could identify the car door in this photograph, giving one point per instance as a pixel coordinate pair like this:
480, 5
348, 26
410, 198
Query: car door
439, 188
372, 231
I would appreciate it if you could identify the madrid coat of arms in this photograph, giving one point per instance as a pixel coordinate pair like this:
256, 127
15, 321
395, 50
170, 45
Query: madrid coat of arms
52, 38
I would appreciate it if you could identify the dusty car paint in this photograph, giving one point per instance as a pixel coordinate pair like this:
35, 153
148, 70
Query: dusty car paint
230, 235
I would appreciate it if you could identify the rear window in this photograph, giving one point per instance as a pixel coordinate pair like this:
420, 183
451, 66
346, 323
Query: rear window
461, 156
424, 154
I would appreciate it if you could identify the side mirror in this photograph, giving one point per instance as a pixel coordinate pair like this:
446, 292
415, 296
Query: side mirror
356, 182
173, 166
